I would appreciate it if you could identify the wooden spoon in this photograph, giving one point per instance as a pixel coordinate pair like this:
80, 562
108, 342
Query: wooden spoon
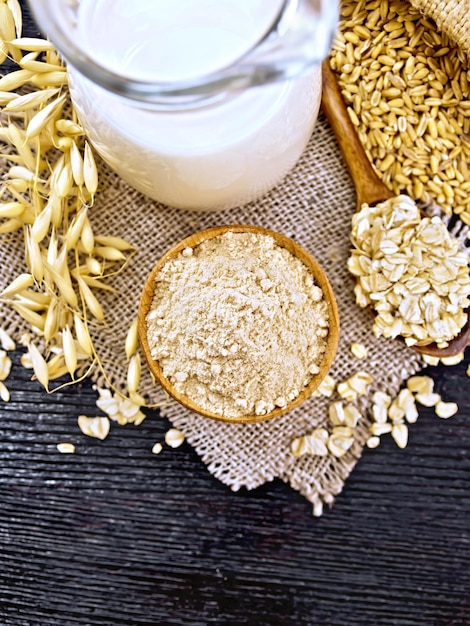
283, 241
369, 188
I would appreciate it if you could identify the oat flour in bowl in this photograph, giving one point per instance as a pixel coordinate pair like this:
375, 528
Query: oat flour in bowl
238, 324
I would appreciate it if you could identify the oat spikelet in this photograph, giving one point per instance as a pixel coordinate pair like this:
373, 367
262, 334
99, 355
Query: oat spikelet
29, 62
83, 336
56, 366
90, 299
76, 163
49, 79
63, 285
90, 173
86, 236
18, 139
30, 44
14, 80
15, 9
44, 116
67, 127
75, 230
70, 352
64, 181
11, 209
19, 284
6, 341
51, 324
113, 242
108, 253
30, 100
34, 257
8, 28
42, 223
132, 341
10, 226
94, 266
52, 175
133, 374
39, 365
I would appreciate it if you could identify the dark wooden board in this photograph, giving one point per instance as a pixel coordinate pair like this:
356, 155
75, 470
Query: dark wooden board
114, 535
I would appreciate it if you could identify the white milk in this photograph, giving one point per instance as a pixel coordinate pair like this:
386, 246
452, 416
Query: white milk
211, 157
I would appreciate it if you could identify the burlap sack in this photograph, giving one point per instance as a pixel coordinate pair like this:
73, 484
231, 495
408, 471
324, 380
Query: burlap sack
451, 16
313, 205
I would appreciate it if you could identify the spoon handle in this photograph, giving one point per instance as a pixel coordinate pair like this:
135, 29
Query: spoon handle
369, 188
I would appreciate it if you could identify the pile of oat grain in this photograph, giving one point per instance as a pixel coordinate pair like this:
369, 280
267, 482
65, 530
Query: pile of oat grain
407, 89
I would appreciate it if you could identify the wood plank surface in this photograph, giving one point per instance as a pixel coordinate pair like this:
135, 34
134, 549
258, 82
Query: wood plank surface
114, 535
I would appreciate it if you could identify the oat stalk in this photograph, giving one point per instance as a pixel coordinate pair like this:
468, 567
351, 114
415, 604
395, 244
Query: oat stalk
47, 199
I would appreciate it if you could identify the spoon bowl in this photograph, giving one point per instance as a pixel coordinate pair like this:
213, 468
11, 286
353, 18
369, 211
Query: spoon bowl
369, 188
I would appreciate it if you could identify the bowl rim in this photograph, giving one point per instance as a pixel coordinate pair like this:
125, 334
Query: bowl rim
294, 248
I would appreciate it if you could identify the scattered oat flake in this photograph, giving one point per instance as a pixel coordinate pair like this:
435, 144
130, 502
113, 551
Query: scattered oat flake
121, 409
373, 442
338, 445
404, 399
298, 446
66, 448
174, 438
157, 448
395, 412
4, 392
5, 365
97, 427
315, 443
327, 386
411, 414
453, 360
345, 391
420, 384
431, 360
446, 409
381, 398
400, 435
428, 399
26, 361
336, 413
356, 385
359, 350
379, 413
352, 415
380, 429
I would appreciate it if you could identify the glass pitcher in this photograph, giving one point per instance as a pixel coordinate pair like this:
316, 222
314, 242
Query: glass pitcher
199, 104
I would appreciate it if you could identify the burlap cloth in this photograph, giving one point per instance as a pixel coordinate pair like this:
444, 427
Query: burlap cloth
313, 205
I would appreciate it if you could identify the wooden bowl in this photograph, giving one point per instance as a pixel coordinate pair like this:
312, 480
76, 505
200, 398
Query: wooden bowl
284, 242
